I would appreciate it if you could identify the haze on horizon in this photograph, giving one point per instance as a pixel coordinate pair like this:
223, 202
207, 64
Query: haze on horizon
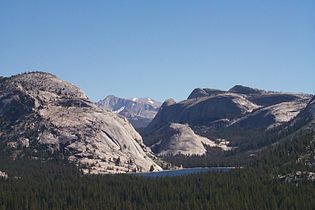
162, 49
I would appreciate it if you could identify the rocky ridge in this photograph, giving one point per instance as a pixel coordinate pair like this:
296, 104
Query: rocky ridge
211, 113
139, 111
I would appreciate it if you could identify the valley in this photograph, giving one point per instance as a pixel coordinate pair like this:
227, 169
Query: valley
59, 150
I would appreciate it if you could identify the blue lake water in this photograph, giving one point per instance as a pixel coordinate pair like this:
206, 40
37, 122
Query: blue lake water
184, 171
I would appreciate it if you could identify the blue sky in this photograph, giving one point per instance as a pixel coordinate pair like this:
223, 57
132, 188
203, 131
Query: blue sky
163, 48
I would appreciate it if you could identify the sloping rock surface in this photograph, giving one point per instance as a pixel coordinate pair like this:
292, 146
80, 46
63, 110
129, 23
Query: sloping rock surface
44, 117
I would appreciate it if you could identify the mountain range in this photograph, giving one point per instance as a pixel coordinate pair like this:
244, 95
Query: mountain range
43, 117
233, 119
139, 111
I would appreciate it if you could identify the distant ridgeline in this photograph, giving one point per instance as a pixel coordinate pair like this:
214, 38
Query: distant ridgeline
138, 111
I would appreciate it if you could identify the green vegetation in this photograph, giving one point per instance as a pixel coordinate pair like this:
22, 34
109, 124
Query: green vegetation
54, 185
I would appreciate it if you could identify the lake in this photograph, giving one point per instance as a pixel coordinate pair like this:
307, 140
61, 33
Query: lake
184, 171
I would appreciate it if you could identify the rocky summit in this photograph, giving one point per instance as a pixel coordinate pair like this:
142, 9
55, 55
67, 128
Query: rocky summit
43, 117
139, 111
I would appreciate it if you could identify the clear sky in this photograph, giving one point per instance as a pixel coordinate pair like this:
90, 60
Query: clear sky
162, 48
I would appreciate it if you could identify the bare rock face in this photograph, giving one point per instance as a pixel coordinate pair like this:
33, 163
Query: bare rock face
202, 92
168, 102
44, 117
139, 111
311, 108
181, 139
203, 110
307, 115
272, 116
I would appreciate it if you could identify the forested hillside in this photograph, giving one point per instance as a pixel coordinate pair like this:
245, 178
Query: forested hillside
262, 184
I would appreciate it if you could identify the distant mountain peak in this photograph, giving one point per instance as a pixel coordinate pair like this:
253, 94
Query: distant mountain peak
203, 92
168, 102
207, 92
245, 90
139, 111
